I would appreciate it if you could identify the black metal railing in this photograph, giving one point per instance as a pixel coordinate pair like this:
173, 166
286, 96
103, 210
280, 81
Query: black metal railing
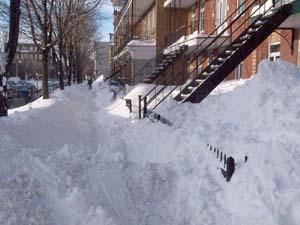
213, 43
176, 35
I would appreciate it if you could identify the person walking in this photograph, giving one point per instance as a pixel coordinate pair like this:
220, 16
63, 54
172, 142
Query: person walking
90, 82
29, 95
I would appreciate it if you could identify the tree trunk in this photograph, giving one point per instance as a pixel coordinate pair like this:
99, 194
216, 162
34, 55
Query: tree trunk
69, 69
46, 73
60, 66
14, 23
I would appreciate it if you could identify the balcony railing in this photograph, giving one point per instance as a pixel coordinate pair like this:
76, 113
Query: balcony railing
187, 30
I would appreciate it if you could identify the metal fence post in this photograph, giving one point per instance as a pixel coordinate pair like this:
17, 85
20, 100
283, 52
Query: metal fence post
140, 107
145, 107
230, 168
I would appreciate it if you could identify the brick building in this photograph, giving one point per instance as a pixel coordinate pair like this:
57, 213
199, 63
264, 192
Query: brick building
28, 62
147, 30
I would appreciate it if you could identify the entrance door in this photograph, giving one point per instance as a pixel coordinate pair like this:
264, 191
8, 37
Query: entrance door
221, 14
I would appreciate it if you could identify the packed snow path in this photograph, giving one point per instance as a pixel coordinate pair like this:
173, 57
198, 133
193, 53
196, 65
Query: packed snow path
79, 159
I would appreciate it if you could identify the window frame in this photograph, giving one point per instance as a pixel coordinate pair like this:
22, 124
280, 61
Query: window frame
202, 19
272, 56
238, 71
241, 9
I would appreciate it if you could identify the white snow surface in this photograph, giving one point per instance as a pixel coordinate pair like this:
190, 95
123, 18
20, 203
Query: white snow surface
81, 159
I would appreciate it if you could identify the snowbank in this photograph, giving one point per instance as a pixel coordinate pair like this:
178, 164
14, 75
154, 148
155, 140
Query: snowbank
79, 161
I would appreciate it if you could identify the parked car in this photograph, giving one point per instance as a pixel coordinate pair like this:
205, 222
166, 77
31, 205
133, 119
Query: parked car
11, 89
11, 83
23, 88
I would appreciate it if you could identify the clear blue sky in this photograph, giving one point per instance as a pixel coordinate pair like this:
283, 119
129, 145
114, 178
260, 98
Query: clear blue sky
107, 25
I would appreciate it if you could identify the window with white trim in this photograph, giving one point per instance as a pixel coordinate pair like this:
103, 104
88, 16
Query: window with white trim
238, 71
201, 19
241, 6
274, 51
193, 19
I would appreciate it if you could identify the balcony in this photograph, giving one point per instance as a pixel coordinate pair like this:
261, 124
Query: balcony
291, 22
133, 11
179, 3
196, 39
188, 35
137, 50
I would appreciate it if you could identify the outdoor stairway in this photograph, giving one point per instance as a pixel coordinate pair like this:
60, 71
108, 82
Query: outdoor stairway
249, 29
233, 55
166, 61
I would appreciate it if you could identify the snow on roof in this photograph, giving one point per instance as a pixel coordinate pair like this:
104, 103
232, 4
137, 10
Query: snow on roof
151, 43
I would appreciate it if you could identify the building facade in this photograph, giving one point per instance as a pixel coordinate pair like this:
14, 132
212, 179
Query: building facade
102, 65
28, 62
146, 30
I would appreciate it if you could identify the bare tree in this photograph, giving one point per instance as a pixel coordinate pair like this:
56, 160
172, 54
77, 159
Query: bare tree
10, 49
39, 14
51, 21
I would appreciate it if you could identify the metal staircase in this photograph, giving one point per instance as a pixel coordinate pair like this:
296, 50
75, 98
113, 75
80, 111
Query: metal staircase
248, 29
154, 68
233, 55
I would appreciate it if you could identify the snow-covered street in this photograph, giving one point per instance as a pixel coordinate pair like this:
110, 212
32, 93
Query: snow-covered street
81, 159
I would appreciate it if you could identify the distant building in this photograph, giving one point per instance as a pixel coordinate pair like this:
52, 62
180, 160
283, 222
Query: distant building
28, 62
102, 58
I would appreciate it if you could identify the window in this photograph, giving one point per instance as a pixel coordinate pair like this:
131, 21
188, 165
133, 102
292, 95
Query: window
274, 51
201, 19
238, 72
194, 19
240, 6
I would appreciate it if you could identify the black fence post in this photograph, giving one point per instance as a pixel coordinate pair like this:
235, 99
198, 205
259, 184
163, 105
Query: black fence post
230, 168
145, 107
129, 104
140, 107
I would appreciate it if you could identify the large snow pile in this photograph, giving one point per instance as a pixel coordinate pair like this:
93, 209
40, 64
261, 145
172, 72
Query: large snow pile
78, 159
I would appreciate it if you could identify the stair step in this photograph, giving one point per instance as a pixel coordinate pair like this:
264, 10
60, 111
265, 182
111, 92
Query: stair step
259, 23
229, 52
163, 65
167, 61
245, 37
238, 45
199, 81
206, 74
214, 66
268, 15
158, 69
253, 30
190, 88
222, 59
184, 95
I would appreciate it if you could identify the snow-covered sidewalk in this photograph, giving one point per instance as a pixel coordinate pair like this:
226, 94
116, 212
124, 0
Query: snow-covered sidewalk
79, 159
